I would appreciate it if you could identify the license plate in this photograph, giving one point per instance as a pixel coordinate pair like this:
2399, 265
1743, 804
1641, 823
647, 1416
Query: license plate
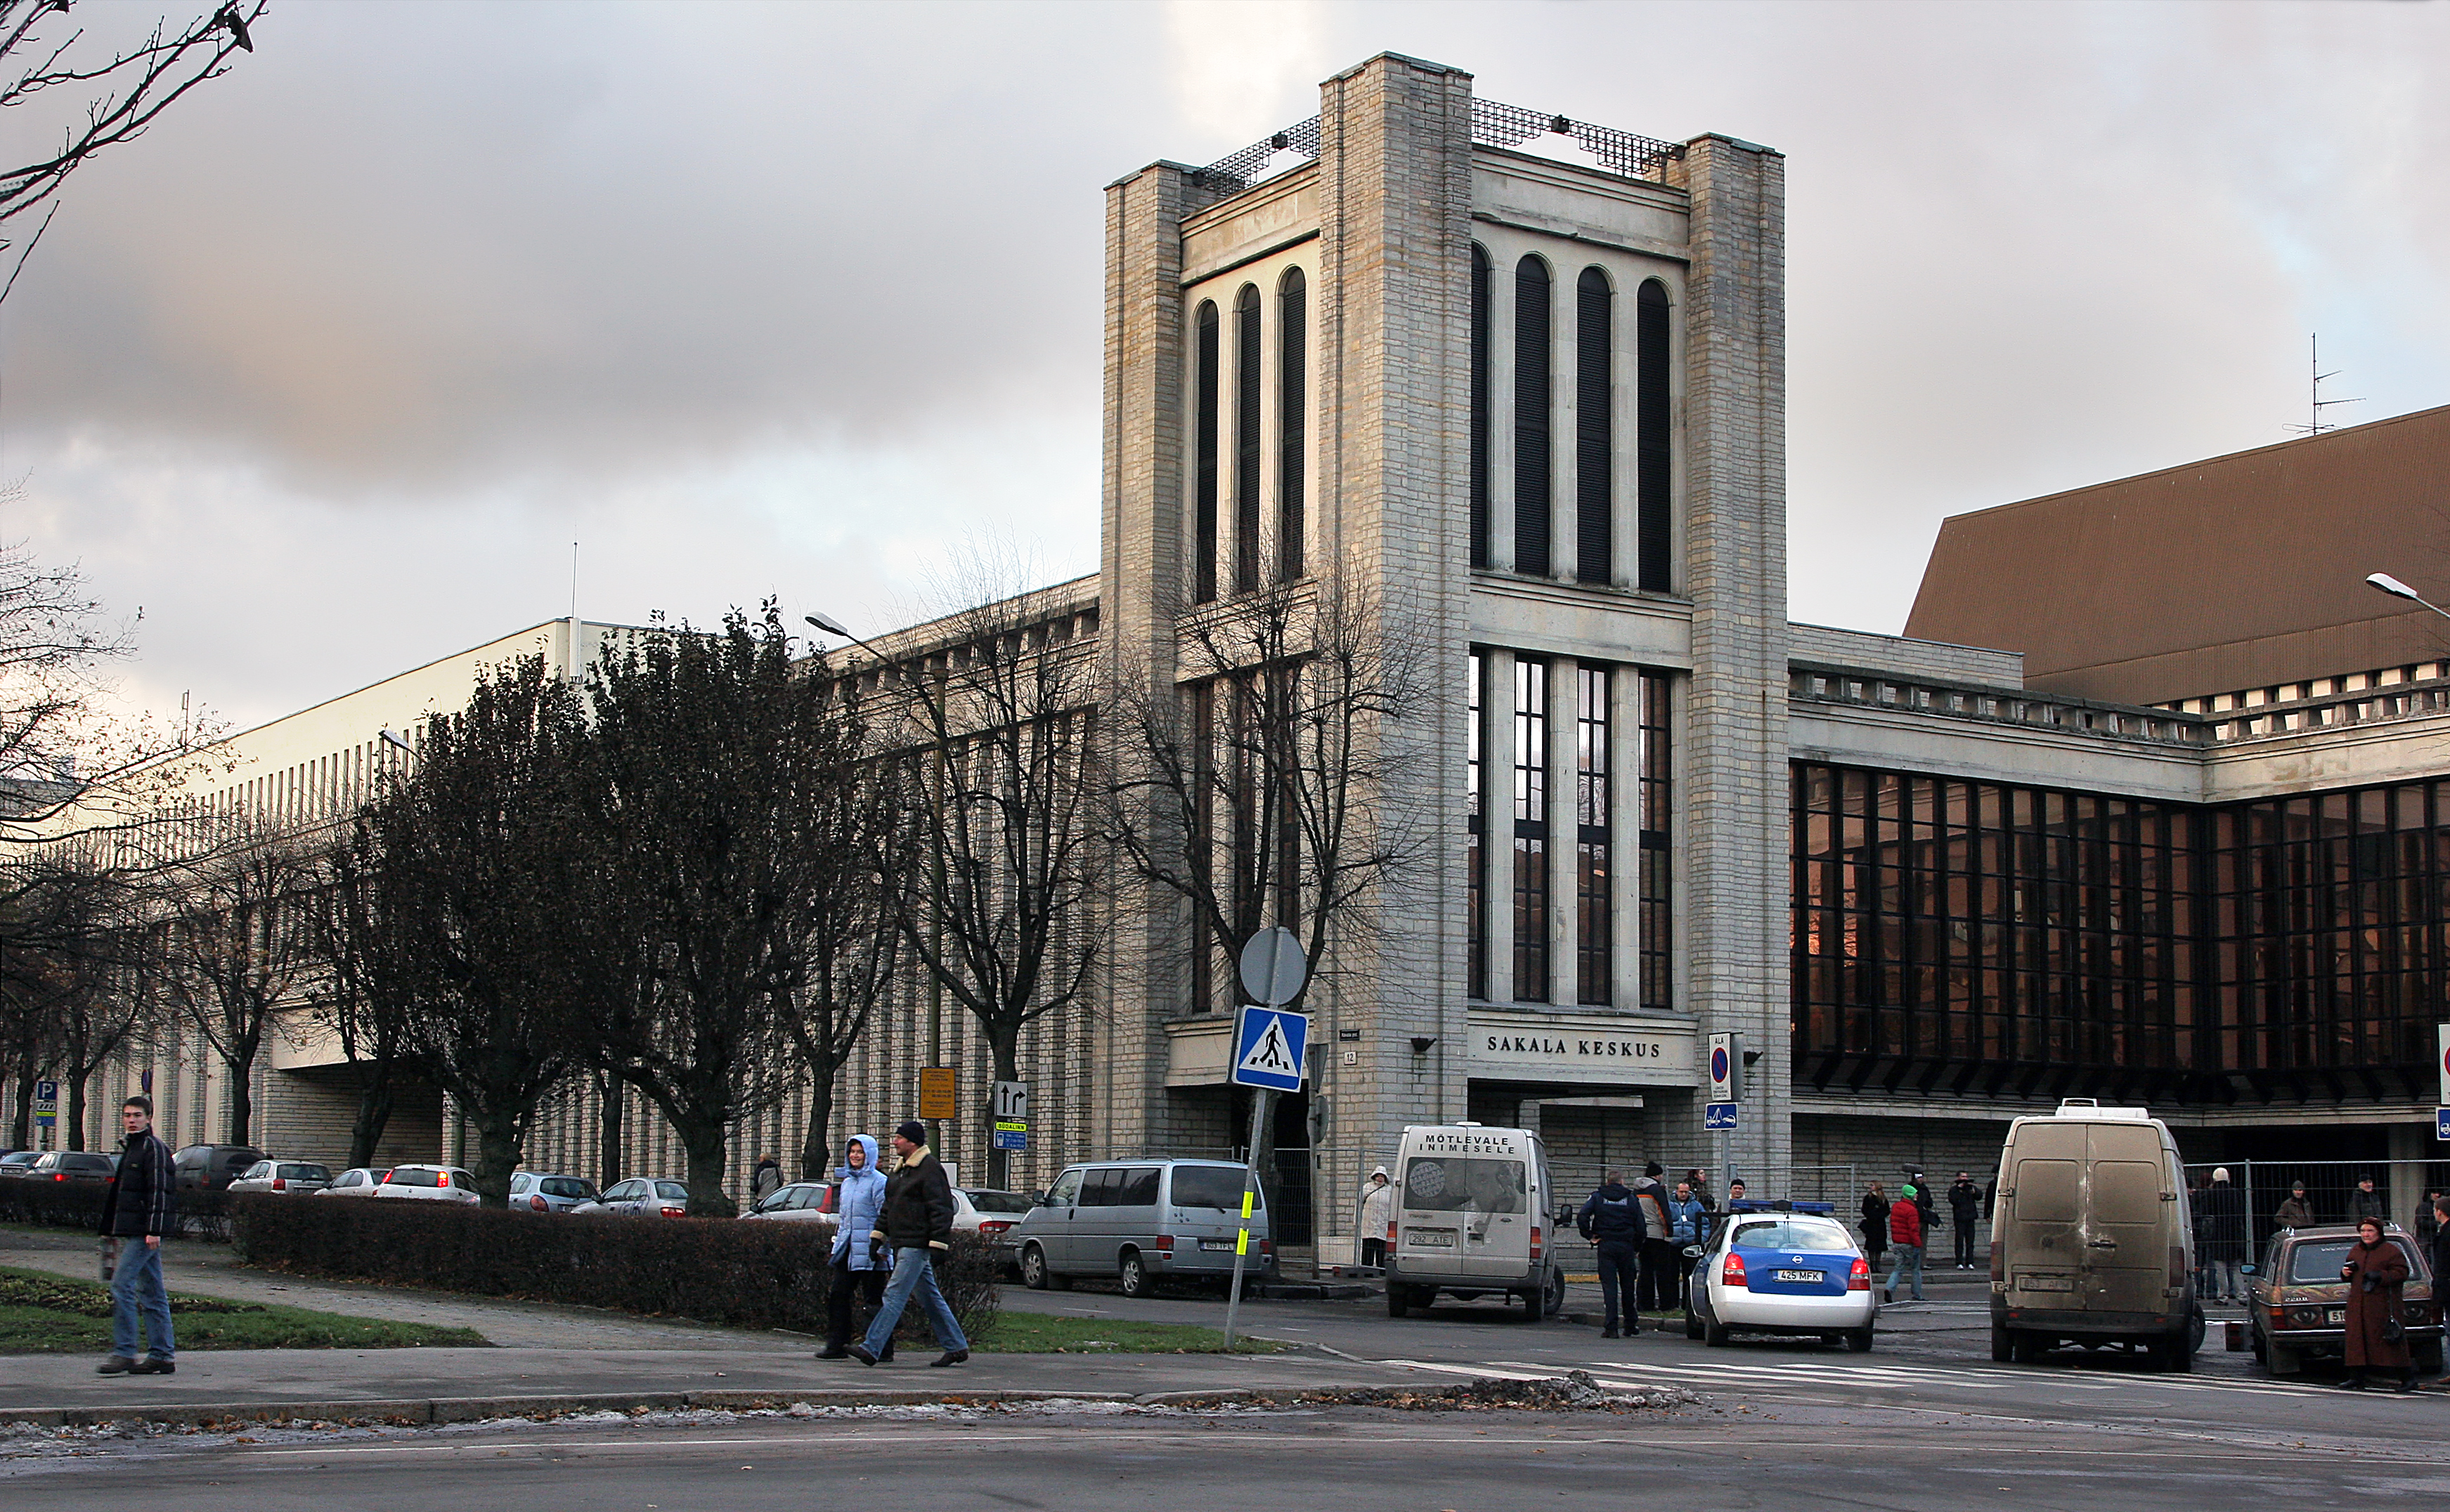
2338, 1314
1805, 1277
1216, 1244
1430, 1238
2046, 1283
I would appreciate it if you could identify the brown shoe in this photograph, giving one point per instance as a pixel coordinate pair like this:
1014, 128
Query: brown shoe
154, 1365
116, 1364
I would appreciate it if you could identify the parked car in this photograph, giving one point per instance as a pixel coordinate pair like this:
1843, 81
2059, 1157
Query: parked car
2297, 1306
429, 1184
212, 1167
1778, 1268
299, 1178
357, 1181
1137, 1220
1469, 1217
538, 1191
73, 1165
799, 1202
17, 1161
647, 1198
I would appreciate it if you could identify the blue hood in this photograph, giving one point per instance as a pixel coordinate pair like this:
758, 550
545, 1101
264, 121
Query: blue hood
859, 1206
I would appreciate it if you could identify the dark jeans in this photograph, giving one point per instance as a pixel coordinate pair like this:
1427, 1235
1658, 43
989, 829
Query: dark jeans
851, 1285
1373, 1252
1662, 1271
1964, 1244
1617, 1264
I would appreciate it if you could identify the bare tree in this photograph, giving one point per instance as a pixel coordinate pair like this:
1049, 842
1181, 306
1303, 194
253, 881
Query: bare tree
361, 991
77, 963
854, 945
1258, 783
241, 945
100, 96
1001, 789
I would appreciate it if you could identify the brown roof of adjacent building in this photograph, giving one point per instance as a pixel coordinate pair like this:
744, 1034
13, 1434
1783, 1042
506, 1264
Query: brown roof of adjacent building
2241, 571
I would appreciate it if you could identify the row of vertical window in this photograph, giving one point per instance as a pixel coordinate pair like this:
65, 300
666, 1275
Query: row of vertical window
1535, 824
1249, 404
1533, 409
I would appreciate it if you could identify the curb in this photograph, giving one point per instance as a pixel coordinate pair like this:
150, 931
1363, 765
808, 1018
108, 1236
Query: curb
427, 1411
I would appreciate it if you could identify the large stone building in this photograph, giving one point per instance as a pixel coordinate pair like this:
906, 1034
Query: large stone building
1517, 383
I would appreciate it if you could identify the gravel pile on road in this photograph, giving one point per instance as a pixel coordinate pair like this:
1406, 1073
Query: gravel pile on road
1574, 1391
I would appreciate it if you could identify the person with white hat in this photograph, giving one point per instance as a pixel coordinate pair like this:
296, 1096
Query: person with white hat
2225, 1242
1377, 1207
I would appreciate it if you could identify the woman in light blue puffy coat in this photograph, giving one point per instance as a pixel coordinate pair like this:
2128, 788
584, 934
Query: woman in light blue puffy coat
859, 1206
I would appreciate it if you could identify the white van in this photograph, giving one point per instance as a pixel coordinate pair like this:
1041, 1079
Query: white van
1467, 1218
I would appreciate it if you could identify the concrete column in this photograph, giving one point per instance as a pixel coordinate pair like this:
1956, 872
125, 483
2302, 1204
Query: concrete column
1733, 443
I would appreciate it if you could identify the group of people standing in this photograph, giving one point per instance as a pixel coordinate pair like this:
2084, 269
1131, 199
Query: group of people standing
1641, 1232
1901, 1229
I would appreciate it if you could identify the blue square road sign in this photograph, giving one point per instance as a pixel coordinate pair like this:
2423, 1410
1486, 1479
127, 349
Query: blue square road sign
1718, 1116
2441, 1123
1268, 1048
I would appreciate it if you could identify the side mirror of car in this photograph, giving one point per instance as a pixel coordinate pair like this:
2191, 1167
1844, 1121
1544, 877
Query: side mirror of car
2245, 1270
1038, 1199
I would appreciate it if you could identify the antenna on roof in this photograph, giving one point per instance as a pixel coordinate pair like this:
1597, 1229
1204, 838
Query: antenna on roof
2314, 425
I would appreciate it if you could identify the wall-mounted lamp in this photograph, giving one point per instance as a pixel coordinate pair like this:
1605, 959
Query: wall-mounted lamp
1421, 1043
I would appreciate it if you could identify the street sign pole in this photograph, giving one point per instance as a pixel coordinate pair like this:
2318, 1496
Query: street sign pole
1274, 972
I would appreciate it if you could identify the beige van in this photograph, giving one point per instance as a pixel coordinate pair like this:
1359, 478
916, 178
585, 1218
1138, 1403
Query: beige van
2091, 1240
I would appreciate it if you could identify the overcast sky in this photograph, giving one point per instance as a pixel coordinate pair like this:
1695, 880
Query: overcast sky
328, 371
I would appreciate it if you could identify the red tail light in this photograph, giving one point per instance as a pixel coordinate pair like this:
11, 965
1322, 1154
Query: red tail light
59, 1175
1267, 1247
443, 1179
1732, 1274
1165, 1241
1859, 1277
995, 1226
1391, 1233
539, 1205
674, 1212
280, 1183
1535, 1240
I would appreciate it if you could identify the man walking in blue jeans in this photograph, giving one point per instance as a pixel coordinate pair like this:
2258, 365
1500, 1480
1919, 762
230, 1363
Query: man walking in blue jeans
138, 1212
917, 1225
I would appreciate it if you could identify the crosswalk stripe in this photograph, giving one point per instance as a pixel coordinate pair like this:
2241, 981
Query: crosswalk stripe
1866, 1375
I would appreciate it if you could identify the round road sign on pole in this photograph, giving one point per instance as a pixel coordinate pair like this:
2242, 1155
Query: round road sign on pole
1273, 971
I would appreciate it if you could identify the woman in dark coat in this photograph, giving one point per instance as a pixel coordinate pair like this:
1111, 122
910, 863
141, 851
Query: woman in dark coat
1875, 1223
2375, 1271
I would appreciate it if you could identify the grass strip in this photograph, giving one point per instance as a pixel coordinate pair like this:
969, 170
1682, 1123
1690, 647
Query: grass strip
42, 1314
1047, 1333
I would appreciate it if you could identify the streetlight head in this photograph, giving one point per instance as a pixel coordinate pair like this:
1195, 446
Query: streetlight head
2393, 586
828, 623
397, 741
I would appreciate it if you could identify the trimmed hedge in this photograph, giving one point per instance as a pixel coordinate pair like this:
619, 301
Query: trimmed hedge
78, 1205
744, 1275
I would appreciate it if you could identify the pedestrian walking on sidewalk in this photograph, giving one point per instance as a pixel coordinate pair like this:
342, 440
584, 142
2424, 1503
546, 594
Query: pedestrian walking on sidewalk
2225, 1245
859, 1269
1656, 1286
140, 1211
1875, 1222
1611, 1220
767, 1179
1964, 1215
1377, 1209
917, 1225
2375, 1271
1905, 1242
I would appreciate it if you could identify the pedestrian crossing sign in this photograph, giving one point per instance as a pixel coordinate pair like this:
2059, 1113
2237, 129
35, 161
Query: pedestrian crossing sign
1268, 1048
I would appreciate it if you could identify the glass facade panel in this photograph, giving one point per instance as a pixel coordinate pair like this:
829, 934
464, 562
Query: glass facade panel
1475, 865
1594, 919
1657, 918
1530, 831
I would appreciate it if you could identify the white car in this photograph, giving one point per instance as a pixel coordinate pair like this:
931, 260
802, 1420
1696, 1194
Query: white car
1765, 1270
644, 1197
429, 1184
301, 1178
357, 1181
976, 1210
799, 1202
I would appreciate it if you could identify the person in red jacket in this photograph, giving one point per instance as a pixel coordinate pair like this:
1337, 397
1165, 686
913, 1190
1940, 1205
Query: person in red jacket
1905, 1243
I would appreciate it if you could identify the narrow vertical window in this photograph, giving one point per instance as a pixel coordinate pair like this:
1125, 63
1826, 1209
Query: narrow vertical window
1475, 861
1246, 439
1480, 280
1203, 421
1594, 426
1657, 921
1292, 412
1593, 916
1530, 831
1650, 425
1532, 500
1203, 817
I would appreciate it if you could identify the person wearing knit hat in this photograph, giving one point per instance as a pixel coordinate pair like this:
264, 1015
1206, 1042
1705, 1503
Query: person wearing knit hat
916, 1224
1377, 1209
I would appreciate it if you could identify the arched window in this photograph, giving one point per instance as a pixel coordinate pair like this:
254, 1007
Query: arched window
1532, 501
1246, 439
1293, 410
1203, 413
1650, 426
1594, 426
1480, 281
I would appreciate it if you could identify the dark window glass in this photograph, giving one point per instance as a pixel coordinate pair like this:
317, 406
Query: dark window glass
1246, 439
1594, 919
1138, 1188
1203, 423
1292, 413
1475, 850
1594, 424
1480, 344
1651, 418
1657, 920
1534, 499
1101, 1188
1211, 1187
1530, 831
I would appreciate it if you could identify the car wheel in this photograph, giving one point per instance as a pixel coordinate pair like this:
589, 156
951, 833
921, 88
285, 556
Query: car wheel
2283, 1362
1692, 1324
2003, 1344
2196, 1328
2024, 1347
1132, 1274
1397, 1304
1556, 1291
2254, 1344
1714, 1334
1859, 1342
1533, 1303
2176, 1356
1033, 1269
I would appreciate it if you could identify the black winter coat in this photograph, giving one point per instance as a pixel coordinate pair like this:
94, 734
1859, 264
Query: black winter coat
143, 1198
1612, 1216
917, 1203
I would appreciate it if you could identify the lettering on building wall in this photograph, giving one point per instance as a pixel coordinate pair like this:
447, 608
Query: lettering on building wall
1579, 1048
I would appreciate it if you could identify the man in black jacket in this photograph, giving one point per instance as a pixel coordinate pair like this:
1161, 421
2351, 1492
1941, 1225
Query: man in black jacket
2440, 1255
143, 1206
1612, 1220
917, 1225
1964, 1213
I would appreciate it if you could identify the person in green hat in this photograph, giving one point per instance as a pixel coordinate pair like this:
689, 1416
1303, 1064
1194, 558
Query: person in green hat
1905, 1243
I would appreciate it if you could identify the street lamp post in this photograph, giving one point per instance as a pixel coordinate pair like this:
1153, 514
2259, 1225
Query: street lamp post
2383, 582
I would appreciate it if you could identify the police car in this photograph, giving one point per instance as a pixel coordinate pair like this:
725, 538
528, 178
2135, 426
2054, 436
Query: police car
1782, 1267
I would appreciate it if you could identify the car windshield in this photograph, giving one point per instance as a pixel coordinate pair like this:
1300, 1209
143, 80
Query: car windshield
1461, 1184
565, 1186
2317, 1264
85, 1162
405, 1177
306, 1173
671, 1191
1793, 1231
1002, 1201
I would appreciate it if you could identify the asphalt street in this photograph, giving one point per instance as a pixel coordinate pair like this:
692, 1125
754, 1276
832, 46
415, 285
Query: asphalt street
1926, 1421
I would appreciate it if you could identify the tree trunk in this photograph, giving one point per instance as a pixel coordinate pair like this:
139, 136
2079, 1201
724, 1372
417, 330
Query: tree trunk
816, 1148
76, 1109
373, 1115
707, 1148
497, 1154
1005, 1044
608, 1128
241, 1104
21, 1129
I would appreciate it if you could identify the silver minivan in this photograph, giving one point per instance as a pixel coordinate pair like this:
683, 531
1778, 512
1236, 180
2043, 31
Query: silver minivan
1140, 1220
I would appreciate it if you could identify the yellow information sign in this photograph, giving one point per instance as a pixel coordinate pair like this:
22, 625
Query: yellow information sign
936, 1091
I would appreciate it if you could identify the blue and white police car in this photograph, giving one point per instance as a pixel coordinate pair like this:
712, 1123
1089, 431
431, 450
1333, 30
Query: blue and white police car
1779, 1268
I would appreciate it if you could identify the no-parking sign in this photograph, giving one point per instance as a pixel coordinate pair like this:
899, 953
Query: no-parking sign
1726, 1068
